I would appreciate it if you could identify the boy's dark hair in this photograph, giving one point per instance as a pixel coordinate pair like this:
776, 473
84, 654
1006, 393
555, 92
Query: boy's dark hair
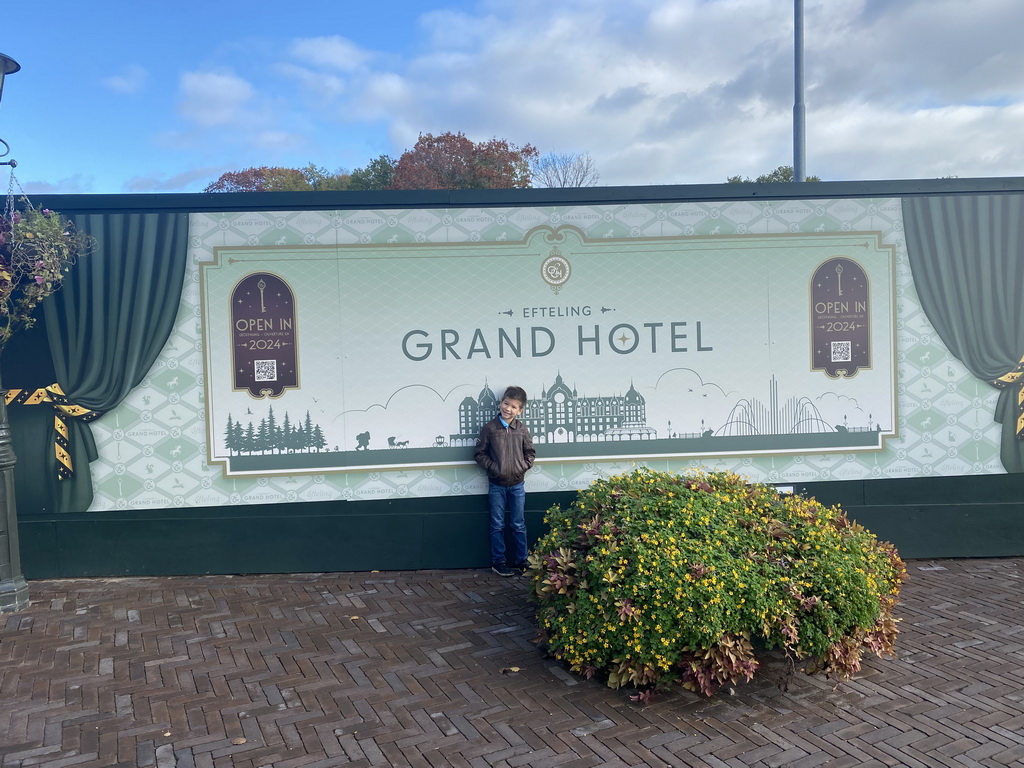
515, 393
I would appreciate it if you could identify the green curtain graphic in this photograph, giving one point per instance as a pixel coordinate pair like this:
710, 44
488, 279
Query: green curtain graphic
966, 257
104, 330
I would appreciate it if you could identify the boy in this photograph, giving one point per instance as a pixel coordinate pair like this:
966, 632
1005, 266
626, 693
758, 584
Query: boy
505, 451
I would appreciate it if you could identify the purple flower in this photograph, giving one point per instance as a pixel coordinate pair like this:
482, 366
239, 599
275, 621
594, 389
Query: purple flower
40, 279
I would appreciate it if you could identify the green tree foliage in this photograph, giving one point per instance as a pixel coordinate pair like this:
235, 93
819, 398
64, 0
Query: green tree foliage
319, 179
376, 175
277, 179
783, 173
452, 161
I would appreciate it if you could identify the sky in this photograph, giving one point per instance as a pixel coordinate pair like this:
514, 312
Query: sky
162, 96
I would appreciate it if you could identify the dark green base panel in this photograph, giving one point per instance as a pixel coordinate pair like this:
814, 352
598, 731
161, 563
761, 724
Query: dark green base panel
966, 516
309, 537
978, 516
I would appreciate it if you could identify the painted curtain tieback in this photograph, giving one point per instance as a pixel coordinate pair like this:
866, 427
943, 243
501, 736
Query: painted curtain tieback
62, 408
1015, 378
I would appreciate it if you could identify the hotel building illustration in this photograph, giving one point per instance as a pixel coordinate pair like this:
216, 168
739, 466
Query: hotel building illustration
561, 415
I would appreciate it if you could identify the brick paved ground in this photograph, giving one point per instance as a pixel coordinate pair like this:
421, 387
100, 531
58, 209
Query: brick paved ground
406, 669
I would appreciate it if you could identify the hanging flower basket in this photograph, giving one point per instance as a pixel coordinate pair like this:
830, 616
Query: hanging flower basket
37, 247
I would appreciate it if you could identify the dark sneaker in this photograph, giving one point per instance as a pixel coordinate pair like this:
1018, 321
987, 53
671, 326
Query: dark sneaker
521, 568
502, 570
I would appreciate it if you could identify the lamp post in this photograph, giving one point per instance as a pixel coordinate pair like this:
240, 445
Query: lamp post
799, 147
13, 587
8, 66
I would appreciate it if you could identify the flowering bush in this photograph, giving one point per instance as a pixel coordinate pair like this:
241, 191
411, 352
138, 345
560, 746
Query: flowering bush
36, 249
652, 578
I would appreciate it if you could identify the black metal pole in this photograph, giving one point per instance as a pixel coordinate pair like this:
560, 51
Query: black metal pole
13, 587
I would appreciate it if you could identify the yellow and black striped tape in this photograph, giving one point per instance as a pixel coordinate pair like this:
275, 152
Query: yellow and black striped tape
1011, 379
63, 408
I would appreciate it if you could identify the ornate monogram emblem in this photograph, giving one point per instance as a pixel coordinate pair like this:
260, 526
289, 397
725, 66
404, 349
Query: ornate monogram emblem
556, 270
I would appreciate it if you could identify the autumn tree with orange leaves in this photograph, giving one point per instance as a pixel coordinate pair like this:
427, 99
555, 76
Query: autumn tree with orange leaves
452, 161
277, 179
446, 161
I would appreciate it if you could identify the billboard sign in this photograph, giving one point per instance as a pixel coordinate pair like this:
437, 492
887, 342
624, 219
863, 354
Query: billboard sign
631, 347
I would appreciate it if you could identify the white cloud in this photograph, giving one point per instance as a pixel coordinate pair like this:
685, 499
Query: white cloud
212, 99
128, 81
232, 124
191, 180
385, 94
276, 140
957, 140
323, 87
72, 185
334, 52
575, 78
656, 91
689, 91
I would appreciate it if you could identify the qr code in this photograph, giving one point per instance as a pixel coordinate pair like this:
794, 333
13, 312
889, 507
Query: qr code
841, 352
266, 370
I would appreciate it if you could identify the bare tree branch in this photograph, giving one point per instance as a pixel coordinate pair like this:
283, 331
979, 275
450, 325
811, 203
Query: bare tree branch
565, 170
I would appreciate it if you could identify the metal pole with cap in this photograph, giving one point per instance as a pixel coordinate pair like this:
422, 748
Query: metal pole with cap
799, 150
13, 587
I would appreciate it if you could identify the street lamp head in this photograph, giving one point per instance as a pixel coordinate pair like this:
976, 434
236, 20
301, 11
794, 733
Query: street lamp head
8, 66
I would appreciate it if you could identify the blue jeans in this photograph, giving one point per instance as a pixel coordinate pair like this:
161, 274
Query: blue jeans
512, 498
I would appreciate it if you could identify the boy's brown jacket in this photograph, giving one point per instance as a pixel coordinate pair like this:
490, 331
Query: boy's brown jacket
505, 454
